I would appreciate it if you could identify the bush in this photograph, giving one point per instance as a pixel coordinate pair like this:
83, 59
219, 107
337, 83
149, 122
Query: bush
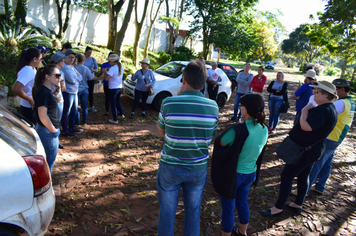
182, 53
318, 68
331, 71
164, 57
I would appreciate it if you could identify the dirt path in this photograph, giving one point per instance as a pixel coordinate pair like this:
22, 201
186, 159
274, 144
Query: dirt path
107, 178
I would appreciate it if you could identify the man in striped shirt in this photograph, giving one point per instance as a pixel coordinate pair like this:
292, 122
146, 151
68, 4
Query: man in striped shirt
188, 122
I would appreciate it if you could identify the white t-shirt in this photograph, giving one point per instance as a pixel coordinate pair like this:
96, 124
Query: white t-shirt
214, 74
116, 79
339, 104
26, 76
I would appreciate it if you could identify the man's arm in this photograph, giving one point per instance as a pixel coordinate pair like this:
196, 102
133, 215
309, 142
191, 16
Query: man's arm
162, 131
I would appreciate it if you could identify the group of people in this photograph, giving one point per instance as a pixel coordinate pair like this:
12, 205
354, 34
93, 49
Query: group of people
189, 122
50, 93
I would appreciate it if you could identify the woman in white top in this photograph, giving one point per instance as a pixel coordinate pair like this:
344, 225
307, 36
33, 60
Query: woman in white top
114, 76
26, 71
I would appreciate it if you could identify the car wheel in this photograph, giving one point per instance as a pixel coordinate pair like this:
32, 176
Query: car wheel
233, 86
157, 102
6, 231
221, 100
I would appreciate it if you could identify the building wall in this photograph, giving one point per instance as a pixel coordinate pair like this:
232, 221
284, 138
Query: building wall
43, 13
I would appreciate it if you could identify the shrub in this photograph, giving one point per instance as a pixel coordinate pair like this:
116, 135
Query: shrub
318, 68
164, 57
182, 53
331, 71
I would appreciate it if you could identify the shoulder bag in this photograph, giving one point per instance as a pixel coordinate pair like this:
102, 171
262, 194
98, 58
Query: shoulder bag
149, 88
291, 152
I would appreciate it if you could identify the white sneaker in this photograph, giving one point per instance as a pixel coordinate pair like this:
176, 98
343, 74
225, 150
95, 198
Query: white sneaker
92, 109
114, 121
121, 117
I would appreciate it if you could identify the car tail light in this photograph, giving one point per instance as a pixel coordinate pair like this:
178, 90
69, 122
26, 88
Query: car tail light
41, 176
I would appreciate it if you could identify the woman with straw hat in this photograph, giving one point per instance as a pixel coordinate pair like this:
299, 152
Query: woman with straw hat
314, 125
114, 75
145, 78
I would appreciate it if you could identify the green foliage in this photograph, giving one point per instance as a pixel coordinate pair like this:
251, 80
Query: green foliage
300, 46
182, 53
8, 78
95, 5
164, 57
332, 71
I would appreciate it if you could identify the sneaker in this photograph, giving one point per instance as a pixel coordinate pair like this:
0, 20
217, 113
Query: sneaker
92, 109
76, 131
68, 135
121, 117
144, 115
114, 121
60, 146
132, 115
316, 190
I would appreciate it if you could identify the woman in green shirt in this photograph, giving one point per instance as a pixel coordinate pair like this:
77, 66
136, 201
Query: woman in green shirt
234, 163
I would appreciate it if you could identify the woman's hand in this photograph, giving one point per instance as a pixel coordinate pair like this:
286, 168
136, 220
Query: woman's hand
54, 130
32, 103
308, 107
146, 85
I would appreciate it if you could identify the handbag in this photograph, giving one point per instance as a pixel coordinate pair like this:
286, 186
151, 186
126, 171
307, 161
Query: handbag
291, 152
284, 108
149, 88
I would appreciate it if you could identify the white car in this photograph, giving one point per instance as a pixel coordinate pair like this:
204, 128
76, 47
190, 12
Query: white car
169, 82
27, 200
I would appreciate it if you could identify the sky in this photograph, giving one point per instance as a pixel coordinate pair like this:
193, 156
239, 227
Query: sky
295, 12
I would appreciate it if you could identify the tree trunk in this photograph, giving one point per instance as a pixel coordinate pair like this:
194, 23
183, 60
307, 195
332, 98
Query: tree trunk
138, 31
353, 74
62, 27
218, 59
114, 10
152, 21
343, 69
121, 34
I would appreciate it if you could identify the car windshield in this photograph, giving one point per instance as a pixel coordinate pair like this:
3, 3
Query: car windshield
16, 134
172, 70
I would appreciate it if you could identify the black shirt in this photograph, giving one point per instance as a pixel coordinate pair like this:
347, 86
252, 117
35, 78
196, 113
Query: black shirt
322, 119
44, 97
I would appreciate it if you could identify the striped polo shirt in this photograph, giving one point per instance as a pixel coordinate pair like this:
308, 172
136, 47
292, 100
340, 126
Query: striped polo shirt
189, 120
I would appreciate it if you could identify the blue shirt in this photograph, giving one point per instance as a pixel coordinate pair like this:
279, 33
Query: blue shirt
86, 74
91, 63
72, 78
142, 79
103, 66
303, 94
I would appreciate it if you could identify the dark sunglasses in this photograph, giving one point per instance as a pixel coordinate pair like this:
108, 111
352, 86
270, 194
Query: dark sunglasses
57, 75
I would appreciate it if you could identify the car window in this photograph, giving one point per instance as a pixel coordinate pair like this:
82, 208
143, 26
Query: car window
172, 70
16, 134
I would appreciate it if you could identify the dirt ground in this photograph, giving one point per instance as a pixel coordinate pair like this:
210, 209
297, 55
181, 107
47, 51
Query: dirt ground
107, 179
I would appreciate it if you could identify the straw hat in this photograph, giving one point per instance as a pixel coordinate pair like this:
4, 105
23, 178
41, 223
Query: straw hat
113, 57
146, 61
327, 87
311, 74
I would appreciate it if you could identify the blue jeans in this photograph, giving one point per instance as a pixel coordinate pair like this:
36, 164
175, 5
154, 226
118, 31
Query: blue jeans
70, 110
50, 143
322, 167
236, 105
274, 105
83, 97
243, 184
60, 110
140, 95
114, 97
170, 179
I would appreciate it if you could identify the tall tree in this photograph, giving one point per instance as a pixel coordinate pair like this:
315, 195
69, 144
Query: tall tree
300, 46
120, 36
173, 19
62, 26
114, 10
152, 21
209, 16
138, 25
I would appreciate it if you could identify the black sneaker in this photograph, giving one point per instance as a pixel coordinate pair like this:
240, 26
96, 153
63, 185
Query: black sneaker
144, 115
76, 131
132, 115
60, 146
